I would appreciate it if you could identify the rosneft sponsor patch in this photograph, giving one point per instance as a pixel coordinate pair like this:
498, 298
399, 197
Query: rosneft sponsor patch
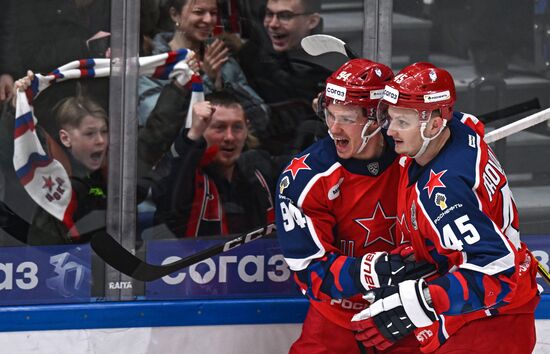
437, 97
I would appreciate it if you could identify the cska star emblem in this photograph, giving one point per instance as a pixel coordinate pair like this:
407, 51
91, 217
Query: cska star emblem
379, 226
434, 182
55, 188
48, 183
297, 164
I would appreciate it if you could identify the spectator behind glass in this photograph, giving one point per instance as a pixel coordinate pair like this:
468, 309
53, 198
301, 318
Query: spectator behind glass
214, 186
82, 149
194, 22
83, 133
275, 64
6, 80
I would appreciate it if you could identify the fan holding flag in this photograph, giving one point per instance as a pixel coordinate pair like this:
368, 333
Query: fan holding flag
68, 180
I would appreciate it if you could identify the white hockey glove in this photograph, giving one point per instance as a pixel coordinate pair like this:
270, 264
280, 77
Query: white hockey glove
394, 313
382, 269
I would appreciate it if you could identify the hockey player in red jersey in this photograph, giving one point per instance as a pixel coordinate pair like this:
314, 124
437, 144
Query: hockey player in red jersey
457, 208
336, 213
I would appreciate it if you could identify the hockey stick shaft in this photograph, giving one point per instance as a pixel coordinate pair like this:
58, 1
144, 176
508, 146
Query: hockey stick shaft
543, 272
122, 260
517, 126
510, 111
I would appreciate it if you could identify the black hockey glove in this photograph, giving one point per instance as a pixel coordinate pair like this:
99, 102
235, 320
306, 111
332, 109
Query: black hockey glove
381, 269
394, 313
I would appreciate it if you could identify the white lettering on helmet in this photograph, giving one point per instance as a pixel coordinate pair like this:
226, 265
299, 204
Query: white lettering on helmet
376, 94
436, 97
336, 92
390, 94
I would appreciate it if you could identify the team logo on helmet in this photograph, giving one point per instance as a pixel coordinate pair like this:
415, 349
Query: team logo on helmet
374, 168
433, 75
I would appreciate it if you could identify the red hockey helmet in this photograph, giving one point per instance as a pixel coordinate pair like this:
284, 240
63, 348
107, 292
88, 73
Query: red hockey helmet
359, 82
423, 87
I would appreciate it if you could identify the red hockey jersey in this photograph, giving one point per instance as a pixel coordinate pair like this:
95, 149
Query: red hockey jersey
329, 213
460, 214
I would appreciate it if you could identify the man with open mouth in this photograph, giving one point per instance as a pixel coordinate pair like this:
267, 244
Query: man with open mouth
336, 213
217, 185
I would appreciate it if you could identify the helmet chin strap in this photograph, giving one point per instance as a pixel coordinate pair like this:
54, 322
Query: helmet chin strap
365, 138
425, 140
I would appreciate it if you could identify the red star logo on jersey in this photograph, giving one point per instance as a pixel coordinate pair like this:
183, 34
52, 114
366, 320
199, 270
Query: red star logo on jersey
379, 226
297, 164
48, 183
403, 228
434, 182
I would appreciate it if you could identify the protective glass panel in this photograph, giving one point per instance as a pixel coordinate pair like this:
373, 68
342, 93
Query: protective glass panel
498, 56
216, 177
53, 166
497, 52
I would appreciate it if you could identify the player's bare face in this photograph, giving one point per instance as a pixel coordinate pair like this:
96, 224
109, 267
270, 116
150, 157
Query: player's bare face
88, 142
197, 19
404, 129
345, 123
228, 130
287, 23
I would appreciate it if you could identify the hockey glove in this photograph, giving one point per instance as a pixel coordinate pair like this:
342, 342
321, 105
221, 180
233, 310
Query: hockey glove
394, 313
381, 269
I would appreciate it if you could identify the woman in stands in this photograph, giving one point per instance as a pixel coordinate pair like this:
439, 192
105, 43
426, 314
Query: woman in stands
194, 24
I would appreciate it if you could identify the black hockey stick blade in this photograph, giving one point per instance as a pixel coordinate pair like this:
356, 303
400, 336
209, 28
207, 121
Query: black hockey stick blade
114, 254
510, 111
317, 44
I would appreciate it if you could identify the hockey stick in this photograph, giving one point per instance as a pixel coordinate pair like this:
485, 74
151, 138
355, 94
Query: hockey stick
318, 44
122, 260
543, 272
510, 111
517, 126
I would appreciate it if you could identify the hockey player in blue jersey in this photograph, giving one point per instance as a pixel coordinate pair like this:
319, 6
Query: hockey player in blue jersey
336, 213
456, 206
